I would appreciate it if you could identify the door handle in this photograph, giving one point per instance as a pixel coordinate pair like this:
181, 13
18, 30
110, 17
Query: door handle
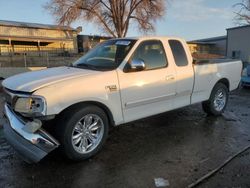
170, 77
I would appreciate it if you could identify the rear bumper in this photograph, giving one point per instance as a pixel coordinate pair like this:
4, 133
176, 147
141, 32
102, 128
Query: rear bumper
32, 147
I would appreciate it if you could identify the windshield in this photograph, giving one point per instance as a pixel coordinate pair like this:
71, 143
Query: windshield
106, 56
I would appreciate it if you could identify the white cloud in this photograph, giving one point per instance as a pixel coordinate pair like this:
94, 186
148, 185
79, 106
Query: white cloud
197, 10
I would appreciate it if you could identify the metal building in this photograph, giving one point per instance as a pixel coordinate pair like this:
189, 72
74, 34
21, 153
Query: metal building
87, 42
238, 43
215, 45
16, 37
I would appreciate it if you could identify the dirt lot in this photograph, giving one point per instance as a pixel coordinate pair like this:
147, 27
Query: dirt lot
180, 146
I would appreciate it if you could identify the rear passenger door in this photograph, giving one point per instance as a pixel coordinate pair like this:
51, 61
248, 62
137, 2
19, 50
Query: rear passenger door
184, 73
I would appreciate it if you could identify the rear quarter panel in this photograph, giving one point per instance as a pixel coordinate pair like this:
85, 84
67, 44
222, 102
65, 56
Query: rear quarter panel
207, 75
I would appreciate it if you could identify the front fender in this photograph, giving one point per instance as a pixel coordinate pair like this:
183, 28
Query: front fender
65, 94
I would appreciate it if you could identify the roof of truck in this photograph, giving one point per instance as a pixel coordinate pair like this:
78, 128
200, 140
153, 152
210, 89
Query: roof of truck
151, 37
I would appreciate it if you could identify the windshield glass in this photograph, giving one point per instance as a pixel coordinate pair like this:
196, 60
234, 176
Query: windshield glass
106, 56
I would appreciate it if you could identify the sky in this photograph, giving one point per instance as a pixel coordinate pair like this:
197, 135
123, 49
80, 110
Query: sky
189, 19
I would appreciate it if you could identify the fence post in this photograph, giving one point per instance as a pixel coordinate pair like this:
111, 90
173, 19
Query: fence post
25, 60
10, 57
47, 58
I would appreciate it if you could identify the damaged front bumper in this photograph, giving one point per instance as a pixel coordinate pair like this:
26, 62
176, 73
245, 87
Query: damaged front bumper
32, 147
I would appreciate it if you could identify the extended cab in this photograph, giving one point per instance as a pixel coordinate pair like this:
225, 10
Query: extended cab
119, 81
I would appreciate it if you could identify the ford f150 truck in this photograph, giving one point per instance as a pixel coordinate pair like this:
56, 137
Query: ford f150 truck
119, 81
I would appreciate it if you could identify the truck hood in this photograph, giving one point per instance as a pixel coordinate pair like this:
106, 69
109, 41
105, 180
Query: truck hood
31, 81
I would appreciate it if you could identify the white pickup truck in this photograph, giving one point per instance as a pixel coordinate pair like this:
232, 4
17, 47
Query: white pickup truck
119, 81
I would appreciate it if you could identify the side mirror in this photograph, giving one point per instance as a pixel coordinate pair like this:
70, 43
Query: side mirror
137, 65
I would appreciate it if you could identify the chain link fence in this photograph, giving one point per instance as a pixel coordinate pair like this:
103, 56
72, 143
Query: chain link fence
32, 57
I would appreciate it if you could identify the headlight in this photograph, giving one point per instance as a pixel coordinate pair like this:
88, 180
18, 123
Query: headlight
244, 72
30, 106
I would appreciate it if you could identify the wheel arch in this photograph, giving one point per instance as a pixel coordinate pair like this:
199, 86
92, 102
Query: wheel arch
94, 103
208, 105
224, 81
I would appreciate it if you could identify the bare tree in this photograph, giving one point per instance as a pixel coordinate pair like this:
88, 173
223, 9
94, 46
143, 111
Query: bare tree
112, 16
243, 13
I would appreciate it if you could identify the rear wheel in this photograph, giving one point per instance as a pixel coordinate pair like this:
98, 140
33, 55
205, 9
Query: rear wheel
82, 132
217, 101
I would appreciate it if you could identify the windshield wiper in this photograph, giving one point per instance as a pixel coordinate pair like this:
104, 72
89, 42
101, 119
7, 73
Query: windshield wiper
88, 66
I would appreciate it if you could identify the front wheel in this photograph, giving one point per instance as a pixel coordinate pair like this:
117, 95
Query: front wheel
217, 101
82, 132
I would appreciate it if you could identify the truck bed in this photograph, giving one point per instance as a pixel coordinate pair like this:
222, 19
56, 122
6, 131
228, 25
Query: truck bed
212, 61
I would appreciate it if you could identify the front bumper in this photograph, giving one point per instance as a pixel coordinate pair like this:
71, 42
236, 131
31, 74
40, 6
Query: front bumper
32, 147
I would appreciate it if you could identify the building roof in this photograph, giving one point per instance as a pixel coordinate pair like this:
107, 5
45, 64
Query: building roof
95, 36
34, 25
208, 40
239, 27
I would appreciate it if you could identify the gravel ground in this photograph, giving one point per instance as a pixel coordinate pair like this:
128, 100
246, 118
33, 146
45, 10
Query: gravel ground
179, 146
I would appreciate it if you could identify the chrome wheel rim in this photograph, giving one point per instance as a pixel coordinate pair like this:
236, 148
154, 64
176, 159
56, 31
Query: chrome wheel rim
220, 100
87, 133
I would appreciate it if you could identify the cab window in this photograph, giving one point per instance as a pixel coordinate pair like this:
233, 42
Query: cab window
152, 53
179, 53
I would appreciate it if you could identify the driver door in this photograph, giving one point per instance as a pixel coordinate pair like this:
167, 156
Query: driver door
150, 91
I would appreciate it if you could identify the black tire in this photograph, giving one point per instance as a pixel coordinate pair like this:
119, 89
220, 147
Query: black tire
209, 106
67, 122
